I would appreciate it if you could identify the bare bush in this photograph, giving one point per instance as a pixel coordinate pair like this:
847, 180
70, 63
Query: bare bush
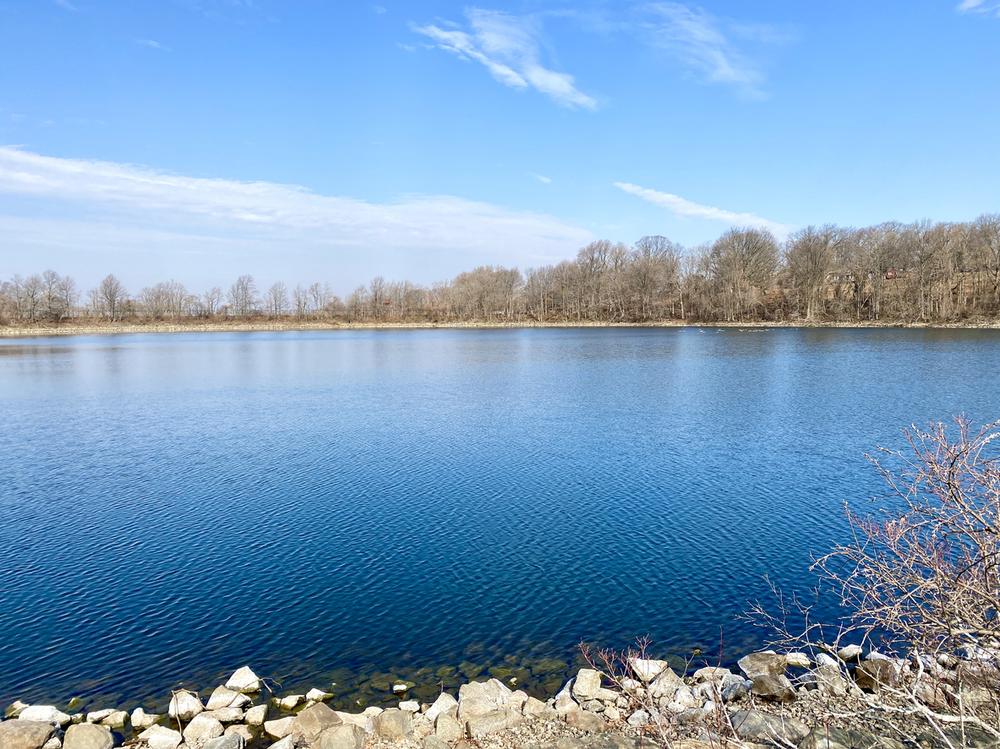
920, 582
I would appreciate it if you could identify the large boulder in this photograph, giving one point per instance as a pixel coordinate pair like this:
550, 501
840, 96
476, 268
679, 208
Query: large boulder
202, 728
312, 721
160, 737
798, 660
447, 728
479, 726
564, 702
665, 685
240, 730
393, 724
25, 734
850, 653
45, 714
256, 715
142, 720
444, 703
226, 715
280, 728
226, 697
586, 684
776, 688
584, 721
244, 680
535, 708
88, 736
184, 705
647, 669
228, 741
764, 663
873, 674
341, 737
761, 728
113, 719
481, 697
829, 680
839, 738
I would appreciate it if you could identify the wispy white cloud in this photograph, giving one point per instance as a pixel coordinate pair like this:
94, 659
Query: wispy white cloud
705, 44
509, 48
689, 209
445, 232
66, 5
542, 178
979, 6
152, 44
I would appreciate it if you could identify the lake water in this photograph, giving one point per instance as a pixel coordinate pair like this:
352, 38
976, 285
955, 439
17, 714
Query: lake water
362, 504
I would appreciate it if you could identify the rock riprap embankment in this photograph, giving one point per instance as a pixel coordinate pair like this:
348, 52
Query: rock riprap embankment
772, 699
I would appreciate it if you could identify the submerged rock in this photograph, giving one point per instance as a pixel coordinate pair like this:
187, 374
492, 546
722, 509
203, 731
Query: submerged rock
14, 709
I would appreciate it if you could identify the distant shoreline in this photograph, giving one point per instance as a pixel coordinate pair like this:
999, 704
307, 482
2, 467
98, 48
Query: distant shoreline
256, 326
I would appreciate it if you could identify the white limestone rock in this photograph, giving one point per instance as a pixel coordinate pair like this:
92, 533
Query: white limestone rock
244, 680
45, 714
184, 706
160, 737
202, 728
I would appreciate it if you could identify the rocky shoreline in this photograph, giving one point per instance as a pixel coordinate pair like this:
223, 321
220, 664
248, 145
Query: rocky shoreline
250, 326
826, 700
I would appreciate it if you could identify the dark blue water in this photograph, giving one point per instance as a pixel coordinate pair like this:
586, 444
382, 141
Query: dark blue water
174, 506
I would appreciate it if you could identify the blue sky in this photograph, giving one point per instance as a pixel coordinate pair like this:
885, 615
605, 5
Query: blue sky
304, 140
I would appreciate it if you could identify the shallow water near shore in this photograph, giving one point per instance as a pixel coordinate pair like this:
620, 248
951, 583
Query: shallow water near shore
365, 505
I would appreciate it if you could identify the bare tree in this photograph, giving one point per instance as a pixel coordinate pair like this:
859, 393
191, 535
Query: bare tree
211, 301
243, 297
277, 300
111, 298
809, 257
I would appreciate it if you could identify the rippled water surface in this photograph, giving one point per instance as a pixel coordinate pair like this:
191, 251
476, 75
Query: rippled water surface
174, 506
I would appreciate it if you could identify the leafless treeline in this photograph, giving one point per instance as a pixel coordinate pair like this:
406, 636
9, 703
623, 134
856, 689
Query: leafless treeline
890, 272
